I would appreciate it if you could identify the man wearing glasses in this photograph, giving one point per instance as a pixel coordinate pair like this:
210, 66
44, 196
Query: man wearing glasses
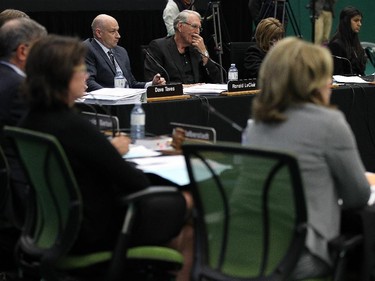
183, 57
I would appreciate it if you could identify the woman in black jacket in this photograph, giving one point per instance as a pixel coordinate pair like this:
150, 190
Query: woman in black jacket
349, 56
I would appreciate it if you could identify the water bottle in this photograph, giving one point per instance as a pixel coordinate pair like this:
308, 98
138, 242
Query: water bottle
137, 122
119, 81
233, 73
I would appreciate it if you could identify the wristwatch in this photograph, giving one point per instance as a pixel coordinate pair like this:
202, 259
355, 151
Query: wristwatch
206, 54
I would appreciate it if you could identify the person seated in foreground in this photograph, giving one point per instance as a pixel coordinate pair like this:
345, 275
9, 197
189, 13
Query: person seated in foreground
102, 174
268, 32
105, 58
183, 57
292, 113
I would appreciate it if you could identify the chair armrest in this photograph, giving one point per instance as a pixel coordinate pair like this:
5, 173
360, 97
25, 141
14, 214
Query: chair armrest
342, 243
148, 192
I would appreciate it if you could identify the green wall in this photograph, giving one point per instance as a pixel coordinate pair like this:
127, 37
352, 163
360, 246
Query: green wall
302, 15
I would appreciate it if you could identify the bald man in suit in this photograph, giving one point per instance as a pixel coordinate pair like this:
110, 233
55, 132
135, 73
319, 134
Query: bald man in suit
100, 66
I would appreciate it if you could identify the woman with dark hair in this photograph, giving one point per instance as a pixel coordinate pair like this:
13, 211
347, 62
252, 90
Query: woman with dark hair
267, 33
349, 56
56, 77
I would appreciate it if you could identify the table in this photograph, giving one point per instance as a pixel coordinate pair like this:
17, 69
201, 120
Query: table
355, 101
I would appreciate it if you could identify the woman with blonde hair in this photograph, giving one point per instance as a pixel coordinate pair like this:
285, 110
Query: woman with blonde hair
267, 33
292, 113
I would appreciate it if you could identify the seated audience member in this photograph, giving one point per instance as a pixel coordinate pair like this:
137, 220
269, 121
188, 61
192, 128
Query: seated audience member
292, 113
16, 37
267, 33
184, 55
171, 11
9, 14
105, 58
101, 172
345, 44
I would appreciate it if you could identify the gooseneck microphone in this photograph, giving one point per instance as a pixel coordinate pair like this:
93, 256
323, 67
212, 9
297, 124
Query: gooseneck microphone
158, 64
347, 60
211, 109
214, 62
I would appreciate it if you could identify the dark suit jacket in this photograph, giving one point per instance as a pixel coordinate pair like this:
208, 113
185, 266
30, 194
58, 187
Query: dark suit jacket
164, 51
101, 70
102, 174
12, 106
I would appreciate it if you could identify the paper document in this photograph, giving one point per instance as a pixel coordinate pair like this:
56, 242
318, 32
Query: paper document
348, 79
173, 168
123, 95
205, 89
140, 151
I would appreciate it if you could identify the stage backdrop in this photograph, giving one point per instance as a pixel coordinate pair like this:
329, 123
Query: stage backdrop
141, 20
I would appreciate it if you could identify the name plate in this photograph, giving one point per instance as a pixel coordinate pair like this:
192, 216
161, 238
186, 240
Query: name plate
242, 85
164, 90
193, 132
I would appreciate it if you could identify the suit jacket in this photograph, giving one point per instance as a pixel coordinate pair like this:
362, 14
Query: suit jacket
12, 106
330, 164
101, 173
102, 71
165, 52
253, 59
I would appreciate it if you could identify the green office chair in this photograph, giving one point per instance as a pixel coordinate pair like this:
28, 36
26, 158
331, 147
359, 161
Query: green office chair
54, 221
250, 213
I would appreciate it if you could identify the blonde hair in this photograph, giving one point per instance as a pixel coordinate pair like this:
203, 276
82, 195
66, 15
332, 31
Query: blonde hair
267, 30
291, 73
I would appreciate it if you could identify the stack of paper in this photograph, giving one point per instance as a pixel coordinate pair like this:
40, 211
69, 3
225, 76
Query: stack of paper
205, 89
115, 95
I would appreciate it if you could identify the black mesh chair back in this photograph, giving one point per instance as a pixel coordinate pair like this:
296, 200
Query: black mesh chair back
250, 213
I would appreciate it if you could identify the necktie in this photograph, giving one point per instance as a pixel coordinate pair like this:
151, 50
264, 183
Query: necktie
112, 58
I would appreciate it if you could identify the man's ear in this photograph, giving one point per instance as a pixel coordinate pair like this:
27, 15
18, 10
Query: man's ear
22, 52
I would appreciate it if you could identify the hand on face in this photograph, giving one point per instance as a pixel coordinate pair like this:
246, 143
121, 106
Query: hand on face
198, 42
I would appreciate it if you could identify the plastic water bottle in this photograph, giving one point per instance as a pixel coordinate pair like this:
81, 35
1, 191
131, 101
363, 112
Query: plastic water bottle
119, 81
137, 122
233, 73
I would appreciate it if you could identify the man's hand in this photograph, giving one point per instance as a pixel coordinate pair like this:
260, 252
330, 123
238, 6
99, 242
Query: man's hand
158, 80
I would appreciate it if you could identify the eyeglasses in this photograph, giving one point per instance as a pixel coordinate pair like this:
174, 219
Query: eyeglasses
194, 26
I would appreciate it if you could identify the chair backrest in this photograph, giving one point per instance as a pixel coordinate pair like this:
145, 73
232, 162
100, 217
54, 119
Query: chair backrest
237, 56
250, 213
53, 223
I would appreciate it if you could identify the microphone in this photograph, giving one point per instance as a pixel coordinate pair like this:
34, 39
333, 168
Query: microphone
345, 59
211, 109
158, 64
214, 62
97, 102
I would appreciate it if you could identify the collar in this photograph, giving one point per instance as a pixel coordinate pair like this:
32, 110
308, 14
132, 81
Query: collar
105, 49
14, 67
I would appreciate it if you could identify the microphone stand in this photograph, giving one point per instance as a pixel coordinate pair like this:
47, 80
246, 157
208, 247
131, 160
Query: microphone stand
215, 7
211, 109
